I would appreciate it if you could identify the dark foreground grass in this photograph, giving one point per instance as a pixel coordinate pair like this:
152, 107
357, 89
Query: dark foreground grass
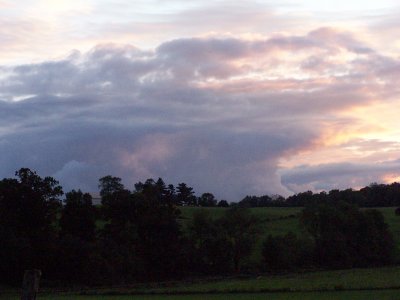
356, 281
338, 295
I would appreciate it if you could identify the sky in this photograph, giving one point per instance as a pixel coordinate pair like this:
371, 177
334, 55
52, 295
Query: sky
231, 97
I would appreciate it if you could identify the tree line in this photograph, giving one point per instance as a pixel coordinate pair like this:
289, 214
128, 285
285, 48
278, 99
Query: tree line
373, 195
141, 235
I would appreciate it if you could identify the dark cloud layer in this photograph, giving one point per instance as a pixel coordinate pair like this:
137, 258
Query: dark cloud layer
187, 111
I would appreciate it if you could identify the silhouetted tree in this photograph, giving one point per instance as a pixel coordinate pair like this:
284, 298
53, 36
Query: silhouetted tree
185, 195
115, 199
207, 200
117, 244
108, 185
78, 216
143, 225
211, 251
28, 212
223, 203
158, 229
242, 229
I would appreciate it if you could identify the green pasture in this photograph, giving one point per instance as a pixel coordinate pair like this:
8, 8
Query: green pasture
281, 220
274, 220
353, 295
278, 221
371, 283
263, 212
394, 223
338, 295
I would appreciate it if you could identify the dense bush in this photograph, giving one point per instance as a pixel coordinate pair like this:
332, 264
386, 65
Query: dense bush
346, 236
287, 252
219, 246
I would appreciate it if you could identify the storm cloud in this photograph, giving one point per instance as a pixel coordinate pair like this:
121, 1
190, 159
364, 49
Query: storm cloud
217, 113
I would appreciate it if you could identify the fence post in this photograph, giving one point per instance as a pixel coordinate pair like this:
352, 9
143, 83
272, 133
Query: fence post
30, 285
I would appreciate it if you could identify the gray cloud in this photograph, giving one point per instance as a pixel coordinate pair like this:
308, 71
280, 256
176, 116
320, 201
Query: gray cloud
172, 113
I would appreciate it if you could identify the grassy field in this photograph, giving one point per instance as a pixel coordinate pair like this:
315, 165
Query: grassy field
274, 220
339, 295
354, 279
373, 283
281, 220
272, 213
394, 223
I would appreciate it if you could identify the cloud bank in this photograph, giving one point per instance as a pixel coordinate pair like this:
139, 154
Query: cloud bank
232, 116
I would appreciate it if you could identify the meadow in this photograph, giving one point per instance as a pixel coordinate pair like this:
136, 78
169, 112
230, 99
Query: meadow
341, 295
273, 220
281, 220
371, 283
394, 223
